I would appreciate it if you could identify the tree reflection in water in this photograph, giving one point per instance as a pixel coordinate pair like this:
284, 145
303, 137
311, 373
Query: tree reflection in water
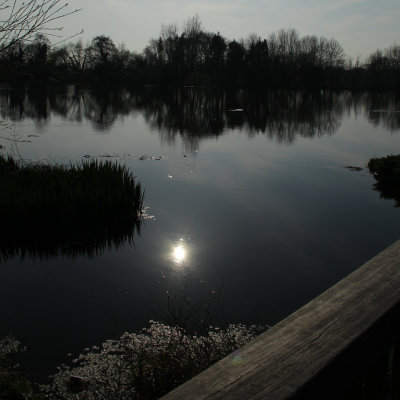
196, 113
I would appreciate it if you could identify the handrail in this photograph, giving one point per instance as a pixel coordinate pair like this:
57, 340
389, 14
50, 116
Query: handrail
280, 362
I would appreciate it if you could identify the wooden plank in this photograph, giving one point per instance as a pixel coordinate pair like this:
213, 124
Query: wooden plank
278, 363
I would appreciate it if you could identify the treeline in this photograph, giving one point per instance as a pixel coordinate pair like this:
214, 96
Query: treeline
197, 57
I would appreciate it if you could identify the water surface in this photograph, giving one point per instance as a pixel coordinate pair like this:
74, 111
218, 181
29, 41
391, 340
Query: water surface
251, 211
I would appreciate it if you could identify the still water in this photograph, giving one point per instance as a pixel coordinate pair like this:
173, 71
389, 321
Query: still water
250, 209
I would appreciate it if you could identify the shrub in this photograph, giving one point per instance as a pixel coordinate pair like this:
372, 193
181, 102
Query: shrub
387, 174
145, 365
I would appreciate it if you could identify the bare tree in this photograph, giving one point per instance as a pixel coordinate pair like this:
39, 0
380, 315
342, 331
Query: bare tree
192, 31
193, 26
170, 37
77, 55
23, 20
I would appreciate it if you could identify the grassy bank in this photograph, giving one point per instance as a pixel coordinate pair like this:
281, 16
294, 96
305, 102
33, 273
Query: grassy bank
53, 200
387, 174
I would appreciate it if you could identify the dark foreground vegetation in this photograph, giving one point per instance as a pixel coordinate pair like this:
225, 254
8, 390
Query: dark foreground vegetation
142, 365
387, 174
194, 56
43, 205
13, 385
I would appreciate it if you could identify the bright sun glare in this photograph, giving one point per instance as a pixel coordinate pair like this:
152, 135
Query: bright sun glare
179, 253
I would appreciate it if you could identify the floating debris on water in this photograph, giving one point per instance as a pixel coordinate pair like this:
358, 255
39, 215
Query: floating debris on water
385, 110
353, 168
236, 110
146, 215
109, 155
147, 157
125, 156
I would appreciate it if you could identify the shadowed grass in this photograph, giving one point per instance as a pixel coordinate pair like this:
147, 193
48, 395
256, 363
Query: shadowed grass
50, 200
387, 174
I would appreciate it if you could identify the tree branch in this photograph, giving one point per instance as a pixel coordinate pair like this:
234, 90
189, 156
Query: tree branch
30, 18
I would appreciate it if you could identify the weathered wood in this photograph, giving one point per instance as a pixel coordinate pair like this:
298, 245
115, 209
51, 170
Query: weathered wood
278, 363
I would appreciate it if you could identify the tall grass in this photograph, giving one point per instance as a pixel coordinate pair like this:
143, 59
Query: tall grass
39, 199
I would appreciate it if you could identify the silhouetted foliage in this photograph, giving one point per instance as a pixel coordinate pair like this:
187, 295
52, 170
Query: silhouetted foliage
387, 174
13, 385
68, 210
195, 56
384, 68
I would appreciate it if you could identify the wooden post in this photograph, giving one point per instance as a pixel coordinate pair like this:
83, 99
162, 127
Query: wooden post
280, 362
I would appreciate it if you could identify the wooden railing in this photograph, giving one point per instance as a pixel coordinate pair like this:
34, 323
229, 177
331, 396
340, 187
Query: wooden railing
282, 361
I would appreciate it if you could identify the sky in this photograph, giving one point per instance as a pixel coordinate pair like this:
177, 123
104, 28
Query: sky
360, 26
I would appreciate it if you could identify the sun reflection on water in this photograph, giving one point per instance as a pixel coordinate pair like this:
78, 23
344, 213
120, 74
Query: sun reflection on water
179, 252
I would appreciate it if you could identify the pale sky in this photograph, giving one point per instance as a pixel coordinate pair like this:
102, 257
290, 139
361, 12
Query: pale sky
360, 26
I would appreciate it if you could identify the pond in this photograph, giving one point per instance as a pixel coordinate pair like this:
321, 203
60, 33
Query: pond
251, 208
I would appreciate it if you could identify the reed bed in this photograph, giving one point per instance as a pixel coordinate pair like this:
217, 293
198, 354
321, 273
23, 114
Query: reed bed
38, 198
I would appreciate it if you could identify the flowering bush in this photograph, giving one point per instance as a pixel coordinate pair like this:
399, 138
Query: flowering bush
145, 365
